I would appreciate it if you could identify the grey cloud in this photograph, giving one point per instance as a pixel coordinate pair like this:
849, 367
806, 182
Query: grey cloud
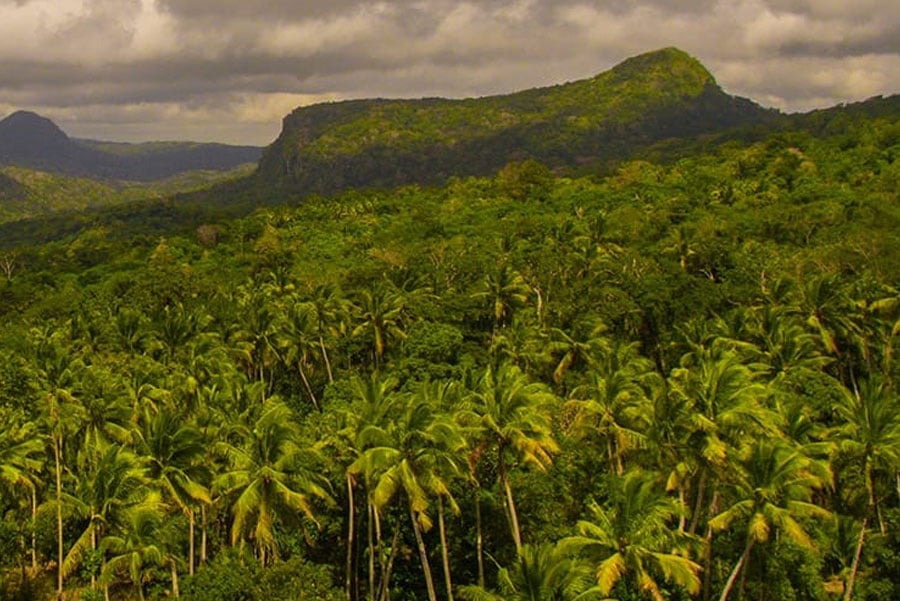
205, 61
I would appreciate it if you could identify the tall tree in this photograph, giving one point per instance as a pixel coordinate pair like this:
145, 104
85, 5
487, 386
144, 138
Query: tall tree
770, 490
270, 479
630, 536
869, 432
514, 417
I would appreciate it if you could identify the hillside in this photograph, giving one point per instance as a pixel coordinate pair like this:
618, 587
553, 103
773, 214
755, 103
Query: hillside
646, 99
636, 356
29, 193
34, 142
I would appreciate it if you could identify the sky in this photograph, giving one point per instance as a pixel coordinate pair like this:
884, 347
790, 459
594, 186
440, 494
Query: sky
230, 70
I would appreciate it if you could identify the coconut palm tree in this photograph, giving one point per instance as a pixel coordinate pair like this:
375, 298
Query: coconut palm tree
513, 415
629, 537
540, 573
364, 426
614, 404
174, 451
869, 431
769, 489
21, 450
270, 479
137, 545
56, 373
109, 487
380, 311
423, 455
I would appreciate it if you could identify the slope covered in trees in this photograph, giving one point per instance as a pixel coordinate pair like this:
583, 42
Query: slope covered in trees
676, 381
648, 98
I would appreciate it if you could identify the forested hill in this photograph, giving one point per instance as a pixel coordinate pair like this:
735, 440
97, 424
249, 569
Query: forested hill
648, 98
34, 142
675, 381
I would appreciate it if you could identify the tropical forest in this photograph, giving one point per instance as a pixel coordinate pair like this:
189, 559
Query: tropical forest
626, 338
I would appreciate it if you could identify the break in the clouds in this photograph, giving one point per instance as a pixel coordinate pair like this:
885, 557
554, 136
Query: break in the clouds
229, 70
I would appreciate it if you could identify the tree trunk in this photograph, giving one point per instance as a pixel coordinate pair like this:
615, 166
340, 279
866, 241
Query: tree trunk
423, 556
371, 532
351, 516
695, 516
57, 456
175, 592
33, 530
93, 548
203, 534
708, 554
511, 506
190, 542
445, 553
379, 544
327, 361
389, 567
854, 568
479, 538
682, 518
309, 389
737, 568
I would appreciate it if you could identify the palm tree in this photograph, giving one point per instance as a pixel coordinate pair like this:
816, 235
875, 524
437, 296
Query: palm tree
540, 573
421, 459
330, 310
381, 313
20, 462
110, 487
579, 347
270, 479
298, 339
365, 426
614, 405
629, 536
727, 399
771, 487
57, 368
136, 546
513, 415
869, 430
506, 291
174, 450
257, 337
785, 344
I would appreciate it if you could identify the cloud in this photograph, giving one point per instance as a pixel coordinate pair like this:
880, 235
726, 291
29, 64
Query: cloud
230, 69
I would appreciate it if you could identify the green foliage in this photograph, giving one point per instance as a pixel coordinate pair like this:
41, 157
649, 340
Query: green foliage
226, 579
688, 367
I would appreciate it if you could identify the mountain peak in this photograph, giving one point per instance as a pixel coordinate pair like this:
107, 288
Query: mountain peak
22, 126
670, 63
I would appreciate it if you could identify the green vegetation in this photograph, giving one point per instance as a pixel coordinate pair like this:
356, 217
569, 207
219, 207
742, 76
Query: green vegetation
674, 381
646, 99
607, 357
26, 194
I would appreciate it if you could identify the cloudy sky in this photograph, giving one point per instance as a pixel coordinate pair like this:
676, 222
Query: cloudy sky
229, 70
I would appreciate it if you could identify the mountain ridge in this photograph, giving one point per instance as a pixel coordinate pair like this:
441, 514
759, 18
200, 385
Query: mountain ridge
32, 141
329, 147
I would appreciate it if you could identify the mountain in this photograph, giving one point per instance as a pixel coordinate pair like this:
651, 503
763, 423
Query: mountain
29, 193
642, 101
31, 141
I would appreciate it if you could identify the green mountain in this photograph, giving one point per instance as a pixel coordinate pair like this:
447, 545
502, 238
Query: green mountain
34, 142
646, 99
29, 193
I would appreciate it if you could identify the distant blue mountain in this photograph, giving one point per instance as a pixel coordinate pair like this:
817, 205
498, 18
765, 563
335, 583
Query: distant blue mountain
35, 142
